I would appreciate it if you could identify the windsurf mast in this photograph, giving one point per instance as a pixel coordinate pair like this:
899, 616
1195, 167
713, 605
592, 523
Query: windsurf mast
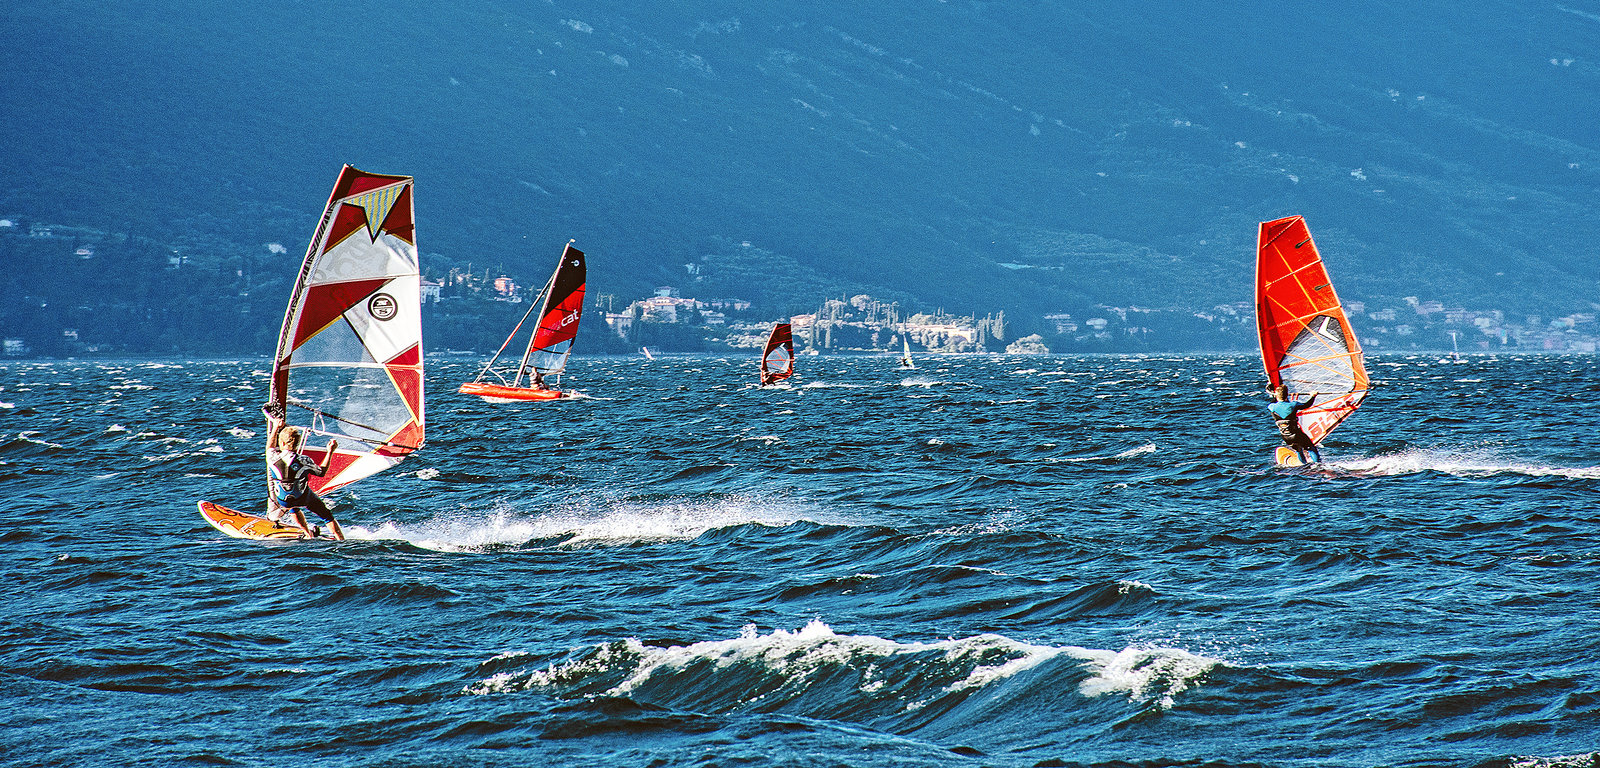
1307, 343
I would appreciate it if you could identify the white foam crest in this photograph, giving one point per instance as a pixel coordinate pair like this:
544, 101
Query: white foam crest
830, 385
920, 381
466, 531
1128, 454
975, 529
883, 667
116, 428
1463, 463
794, 657
27, 436
241, 433
1588, 760
1149, 675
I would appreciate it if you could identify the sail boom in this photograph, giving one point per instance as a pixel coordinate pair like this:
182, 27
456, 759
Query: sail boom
298, 365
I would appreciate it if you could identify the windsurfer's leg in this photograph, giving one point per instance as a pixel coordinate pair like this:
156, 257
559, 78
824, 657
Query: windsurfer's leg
317, 505
300, 521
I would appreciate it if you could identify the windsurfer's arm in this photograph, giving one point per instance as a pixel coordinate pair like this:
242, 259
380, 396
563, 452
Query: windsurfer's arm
327, 459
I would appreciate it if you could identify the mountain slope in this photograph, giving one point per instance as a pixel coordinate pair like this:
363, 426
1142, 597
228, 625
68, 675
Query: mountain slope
977, 156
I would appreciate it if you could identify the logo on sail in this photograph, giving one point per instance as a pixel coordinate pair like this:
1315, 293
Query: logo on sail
382, 306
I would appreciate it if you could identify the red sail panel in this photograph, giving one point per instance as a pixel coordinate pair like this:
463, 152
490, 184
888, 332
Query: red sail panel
349, 363
777, 360
563, 308
1307, 343
326, 303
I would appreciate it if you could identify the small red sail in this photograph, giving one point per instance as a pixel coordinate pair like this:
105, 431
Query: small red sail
349, 359
1306, 340
777, 361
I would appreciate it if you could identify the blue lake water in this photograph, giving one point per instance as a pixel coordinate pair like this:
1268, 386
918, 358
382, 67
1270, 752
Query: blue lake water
986, 561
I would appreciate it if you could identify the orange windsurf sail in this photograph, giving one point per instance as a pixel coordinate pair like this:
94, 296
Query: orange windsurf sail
1306, 340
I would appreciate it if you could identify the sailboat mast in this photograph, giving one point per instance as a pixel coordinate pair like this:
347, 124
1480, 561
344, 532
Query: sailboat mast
544, 293
504, 344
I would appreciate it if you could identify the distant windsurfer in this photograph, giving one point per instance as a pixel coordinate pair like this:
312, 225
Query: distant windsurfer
291, 482
1286, 415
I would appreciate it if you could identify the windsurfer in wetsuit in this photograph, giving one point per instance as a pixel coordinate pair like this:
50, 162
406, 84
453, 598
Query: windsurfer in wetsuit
291, 482
1286, 415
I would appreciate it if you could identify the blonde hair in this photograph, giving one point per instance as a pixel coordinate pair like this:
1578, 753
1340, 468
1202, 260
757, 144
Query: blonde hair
289, 432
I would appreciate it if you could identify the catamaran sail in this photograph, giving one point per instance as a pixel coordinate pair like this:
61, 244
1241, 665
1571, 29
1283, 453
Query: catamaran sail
777, 361
550, 344
1306, 340
349, 359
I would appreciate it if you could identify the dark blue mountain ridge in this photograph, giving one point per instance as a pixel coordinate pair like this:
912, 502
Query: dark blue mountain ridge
1023, 156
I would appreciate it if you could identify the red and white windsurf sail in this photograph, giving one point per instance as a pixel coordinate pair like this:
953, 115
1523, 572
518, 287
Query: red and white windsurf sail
1306, 340
777, 361
349, 359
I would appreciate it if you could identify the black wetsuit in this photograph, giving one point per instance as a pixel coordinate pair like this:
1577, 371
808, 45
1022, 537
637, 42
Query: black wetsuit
1286, 417
291, 484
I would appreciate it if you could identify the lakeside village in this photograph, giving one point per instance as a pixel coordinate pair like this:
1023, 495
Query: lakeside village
862, 324
73, 291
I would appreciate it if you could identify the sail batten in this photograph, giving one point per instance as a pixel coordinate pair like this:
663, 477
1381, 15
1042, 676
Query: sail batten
350, 347
1306, 341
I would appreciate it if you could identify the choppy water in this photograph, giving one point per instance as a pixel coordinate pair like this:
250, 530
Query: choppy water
986, 561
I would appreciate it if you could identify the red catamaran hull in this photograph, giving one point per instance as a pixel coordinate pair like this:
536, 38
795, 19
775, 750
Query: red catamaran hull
495, 393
